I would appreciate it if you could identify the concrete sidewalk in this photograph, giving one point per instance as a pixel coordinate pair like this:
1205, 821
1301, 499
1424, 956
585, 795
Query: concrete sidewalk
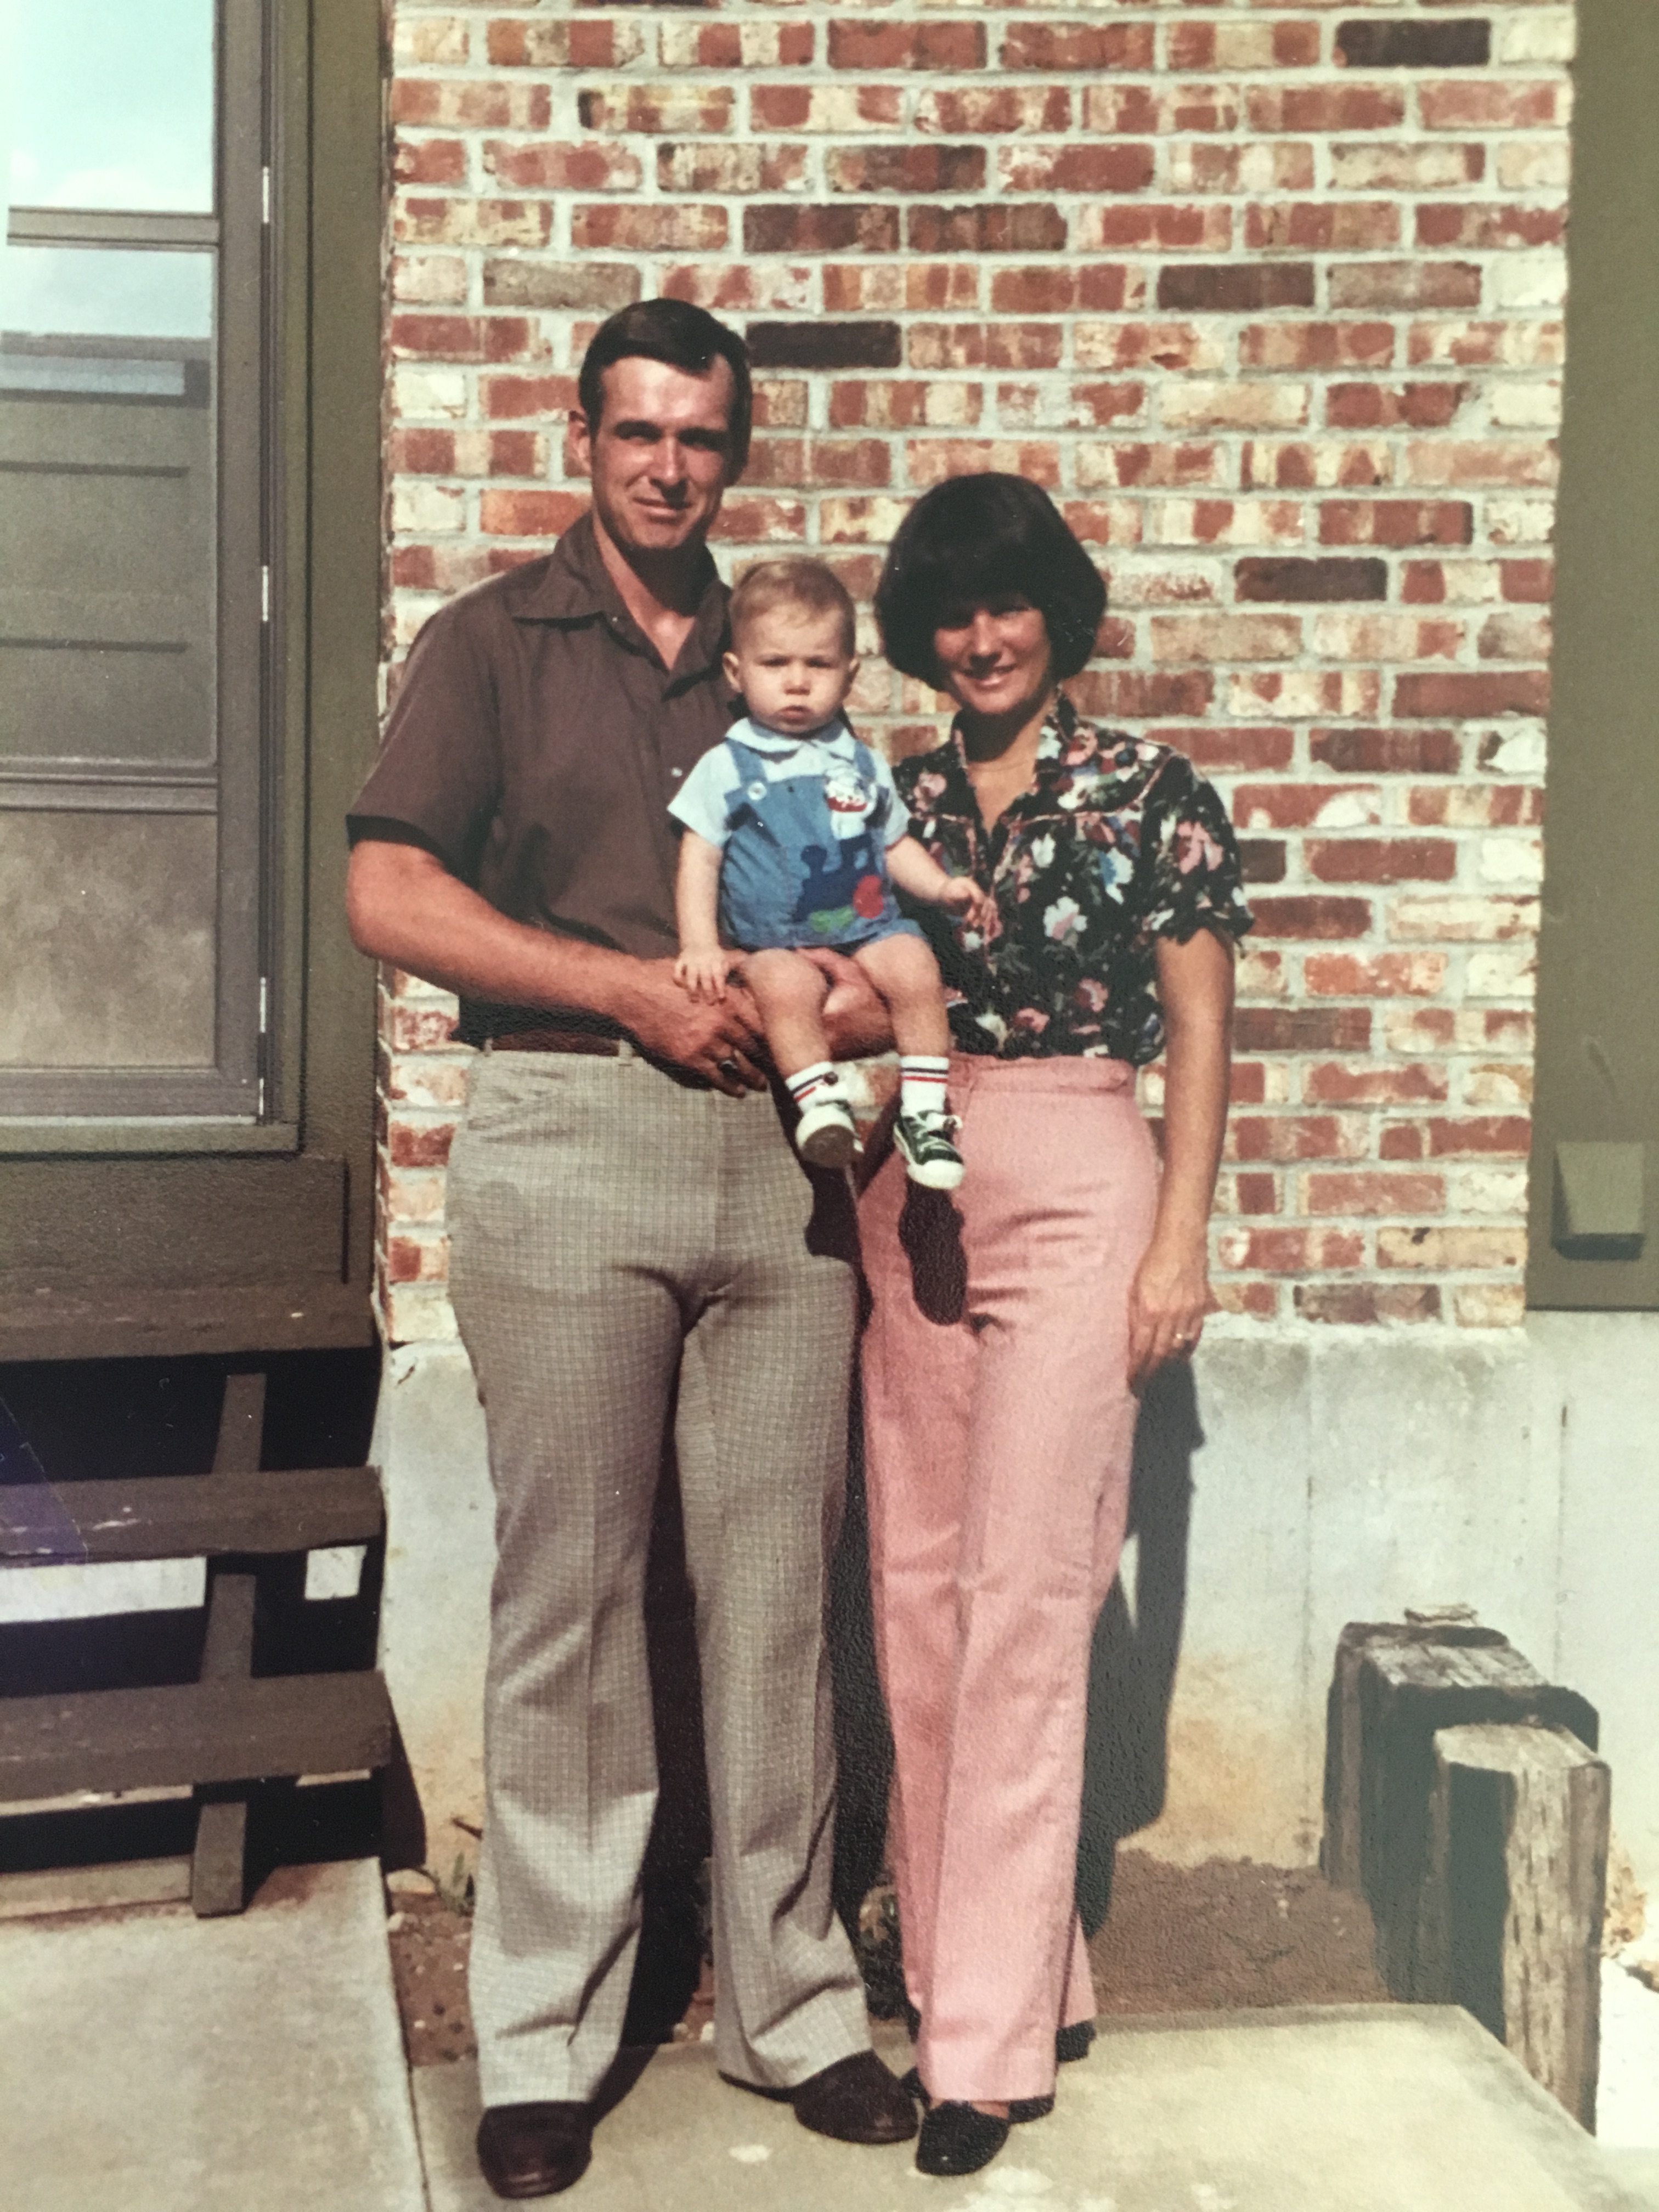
151, 2062
1335, 2109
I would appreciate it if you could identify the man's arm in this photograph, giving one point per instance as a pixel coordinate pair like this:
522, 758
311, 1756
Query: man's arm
403, 905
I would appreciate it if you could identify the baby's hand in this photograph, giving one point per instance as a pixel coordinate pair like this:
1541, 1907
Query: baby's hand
962, 895
704, 974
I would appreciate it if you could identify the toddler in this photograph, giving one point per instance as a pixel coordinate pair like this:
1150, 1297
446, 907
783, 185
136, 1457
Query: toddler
795, 836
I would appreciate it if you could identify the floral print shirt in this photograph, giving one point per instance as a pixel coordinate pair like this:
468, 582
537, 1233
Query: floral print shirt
1118, 841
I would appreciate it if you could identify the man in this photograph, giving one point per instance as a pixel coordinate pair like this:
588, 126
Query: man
633, 1244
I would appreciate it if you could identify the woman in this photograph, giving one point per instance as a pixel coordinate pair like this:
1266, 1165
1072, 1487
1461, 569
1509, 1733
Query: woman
1009, 1328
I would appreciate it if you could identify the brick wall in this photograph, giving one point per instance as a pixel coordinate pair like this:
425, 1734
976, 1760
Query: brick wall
1268, 297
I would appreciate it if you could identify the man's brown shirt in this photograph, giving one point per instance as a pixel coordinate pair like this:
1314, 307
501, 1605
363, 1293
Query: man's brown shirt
535, 743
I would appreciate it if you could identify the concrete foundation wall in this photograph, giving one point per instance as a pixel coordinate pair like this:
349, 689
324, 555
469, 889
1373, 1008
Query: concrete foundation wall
1334, 1476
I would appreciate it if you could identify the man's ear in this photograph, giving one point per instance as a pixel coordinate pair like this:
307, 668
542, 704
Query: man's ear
580, 439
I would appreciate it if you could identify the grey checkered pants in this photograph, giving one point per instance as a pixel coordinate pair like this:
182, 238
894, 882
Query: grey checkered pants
619, 1238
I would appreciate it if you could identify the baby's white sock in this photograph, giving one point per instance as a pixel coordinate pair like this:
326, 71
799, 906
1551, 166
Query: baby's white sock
812, 1083
922, 1083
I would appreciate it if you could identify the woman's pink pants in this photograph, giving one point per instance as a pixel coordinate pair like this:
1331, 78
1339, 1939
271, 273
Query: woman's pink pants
998, 1429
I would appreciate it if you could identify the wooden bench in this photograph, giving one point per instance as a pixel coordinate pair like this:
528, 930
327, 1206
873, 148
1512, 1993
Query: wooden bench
230, 1730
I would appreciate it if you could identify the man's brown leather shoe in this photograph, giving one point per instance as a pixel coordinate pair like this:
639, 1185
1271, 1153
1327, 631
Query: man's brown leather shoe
856, 2101
534, 2151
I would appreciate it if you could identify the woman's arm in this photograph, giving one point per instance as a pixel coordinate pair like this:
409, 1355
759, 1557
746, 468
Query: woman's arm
1171, 1294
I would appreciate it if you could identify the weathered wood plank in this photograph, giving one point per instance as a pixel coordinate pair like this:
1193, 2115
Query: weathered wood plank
1340, 1849
190, 1516
1514, 1887
194, 1732
218, 1866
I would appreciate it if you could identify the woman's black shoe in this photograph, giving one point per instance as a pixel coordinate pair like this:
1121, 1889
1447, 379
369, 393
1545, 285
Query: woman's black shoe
1020, 2109
958, 2139
1073, 2042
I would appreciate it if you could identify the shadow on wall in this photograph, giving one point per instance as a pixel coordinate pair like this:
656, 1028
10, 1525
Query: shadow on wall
1131, 1674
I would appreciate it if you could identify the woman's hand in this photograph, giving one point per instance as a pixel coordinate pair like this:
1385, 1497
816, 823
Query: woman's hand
1168, 1301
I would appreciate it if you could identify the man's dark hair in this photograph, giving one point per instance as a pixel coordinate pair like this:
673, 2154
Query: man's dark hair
684, 337
982, 537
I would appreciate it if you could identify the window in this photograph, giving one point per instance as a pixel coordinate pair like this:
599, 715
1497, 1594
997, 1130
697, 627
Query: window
136, 668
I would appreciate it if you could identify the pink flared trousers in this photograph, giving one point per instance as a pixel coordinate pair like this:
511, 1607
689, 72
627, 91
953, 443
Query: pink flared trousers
999, 1428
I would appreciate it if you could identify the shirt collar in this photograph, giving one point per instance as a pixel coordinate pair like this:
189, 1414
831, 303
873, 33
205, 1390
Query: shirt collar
835, 738
572, 584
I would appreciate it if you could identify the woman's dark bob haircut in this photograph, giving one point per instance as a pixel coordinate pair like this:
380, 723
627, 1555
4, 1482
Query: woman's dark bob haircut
684, 337
985, 538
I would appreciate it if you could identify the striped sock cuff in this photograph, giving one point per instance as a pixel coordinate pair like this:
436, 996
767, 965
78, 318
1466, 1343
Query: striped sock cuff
922, 1083
810, 1082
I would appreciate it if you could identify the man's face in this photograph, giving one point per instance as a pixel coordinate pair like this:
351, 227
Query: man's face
660, 457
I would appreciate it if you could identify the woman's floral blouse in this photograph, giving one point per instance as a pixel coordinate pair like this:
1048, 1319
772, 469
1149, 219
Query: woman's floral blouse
1118, 841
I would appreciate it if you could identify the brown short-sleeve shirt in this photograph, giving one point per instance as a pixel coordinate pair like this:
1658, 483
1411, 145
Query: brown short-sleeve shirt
536, 742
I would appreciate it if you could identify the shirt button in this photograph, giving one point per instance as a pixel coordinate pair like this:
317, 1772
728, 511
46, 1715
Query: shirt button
676, 772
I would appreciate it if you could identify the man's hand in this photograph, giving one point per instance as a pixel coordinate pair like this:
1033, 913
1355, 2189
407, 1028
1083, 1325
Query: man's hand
718, 1040
703, 972
1168, 1301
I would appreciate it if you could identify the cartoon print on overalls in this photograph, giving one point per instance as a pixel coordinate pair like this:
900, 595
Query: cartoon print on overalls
836, 897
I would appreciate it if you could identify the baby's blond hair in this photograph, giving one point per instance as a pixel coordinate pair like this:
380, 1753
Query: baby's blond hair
802, 583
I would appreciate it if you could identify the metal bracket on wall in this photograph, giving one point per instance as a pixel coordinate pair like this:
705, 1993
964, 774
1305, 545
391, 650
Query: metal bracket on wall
1599, 1203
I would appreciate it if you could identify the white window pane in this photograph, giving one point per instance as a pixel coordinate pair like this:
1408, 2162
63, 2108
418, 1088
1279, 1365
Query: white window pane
80, 291
112, 104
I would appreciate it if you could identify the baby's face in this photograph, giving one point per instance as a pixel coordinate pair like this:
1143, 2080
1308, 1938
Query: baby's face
792, 667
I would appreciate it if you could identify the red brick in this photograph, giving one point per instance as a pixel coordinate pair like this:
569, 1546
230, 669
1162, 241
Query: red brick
1381, 859
1318, 108
761, 522
1397, 284
907, 45
1478, 105
905, 405
1514, 691
1510, 1134
460, 337
1333, 1082
1115, 225
413, 1145
430, 161
1147, 466
1220, 750
1294, 1137
1347, 1303
1073, 168
422, 452
901, 169
1374, 1194
1009, 227
699, 166
1482, 228
1387, 752
515, 44
683, 109
1320, 226
1292, 1251
1265, 46
985, 111
1402, 1140
528, 513
1528, 583
1302, 1029
1132, 695
1392, 406
834, 462
458, 221
1374, 976
826, 107
1312, 917
466, 104
1067, 48
1317, 345
506, 397
1395, 522
1516, 462
1259, 1300
1447, 1248
542, 164
980, 345
1235, 287
642, 227
861, 228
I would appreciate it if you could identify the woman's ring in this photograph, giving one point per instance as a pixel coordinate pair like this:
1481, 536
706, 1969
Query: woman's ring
728, 1066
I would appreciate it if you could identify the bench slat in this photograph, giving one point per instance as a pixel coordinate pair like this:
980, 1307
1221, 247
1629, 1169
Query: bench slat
193, 1732
187, 1517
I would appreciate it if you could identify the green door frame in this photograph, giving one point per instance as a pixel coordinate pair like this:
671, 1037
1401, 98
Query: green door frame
1598, 1009
121, 1238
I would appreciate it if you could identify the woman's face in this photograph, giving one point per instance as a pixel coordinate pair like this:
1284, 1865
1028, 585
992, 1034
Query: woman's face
993, 656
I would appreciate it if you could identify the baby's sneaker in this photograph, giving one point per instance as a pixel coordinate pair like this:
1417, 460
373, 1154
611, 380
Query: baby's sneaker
930, 1158
825, 1135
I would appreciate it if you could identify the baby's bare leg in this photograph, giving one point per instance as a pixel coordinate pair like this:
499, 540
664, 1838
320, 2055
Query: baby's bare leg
790, 992
906, 975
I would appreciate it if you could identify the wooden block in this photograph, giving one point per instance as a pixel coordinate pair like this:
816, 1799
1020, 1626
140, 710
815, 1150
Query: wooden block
1511, 1918
190, 1516
193, 1732
1406, 1693
218, 1866
1340, 1849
